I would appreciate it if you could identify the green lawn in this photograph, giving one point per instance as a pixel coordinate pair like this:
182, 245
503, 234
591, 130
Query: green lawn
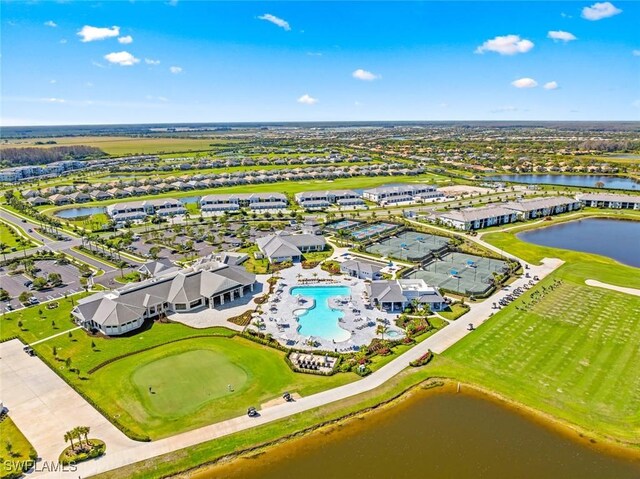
454, 311
11, 239
189, 380
15, 449
574, 354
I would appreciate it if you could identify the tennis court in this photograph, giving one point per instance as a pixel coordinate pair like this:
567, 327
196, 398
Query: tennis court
342, 225
460, 272
372, 230
409, 246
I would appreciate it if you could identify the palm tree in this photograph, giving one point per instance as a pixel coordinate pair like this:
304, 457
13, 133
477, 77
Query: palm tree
3, 246
68, 437
84, 430
381, 329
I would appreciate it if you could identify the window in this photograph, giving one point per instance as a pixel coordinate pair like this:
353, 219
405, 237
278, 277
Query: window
180, 306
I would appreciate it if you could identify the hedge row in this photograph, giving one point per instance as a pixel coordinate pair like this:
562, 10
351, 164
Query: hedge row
422, 360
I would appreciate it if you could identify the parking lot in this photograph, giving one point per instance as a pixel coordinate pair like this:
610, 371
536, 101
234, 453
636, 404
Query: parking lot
15, 284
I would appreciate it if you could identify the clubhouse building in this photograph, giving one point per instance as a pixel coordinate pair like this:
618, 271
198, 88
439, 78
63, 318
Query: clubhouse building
208, 284
284, 246
396, 295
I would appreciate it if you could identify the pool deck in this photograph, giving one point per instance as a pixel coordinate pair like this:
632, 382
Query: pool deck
282, 323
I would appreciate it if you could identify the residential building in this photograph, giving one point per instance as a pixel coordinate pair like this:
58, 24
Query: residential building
206, 285
284, 246
408, 193
396, 295
324, 199
610, 200
233, 202
476, 218
541, 207
139, 210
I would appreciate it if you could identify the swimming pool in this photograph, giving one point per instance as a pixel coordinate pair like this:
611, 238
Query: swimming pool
321, 320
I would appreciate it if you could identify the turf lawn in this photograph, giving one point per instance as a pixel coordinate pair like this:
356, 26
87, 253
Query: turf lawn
189, 384
15, 449
11, 240
573, 354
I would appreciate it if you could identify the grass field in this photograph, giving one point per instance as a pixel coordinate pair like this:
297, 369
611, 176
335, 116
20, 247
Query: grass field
15, 448
574, 354
115, 145
189, 382
11, 240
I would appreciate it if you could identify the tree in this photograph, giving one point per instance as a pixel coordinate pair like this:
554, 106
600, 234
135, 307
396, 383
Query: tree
382, 329
4, 295
25, 296
39, 283
67, 363
55, 279
154, 251
55, 351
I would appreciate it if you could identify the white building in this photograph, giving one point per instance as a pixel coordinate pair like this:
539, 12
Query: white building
139, 210
311, 200
396, 295
284, 246
476, 218
408, 193
610, 200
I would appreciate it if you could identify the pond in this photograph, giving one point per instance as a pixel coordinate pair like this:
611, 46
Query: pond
613, 182
73, 213
432, 435
616, 239
190, 199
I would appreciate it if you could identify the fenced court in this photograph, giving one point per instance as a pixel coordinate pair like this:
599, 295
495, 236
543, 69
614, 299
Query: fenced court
409, 246
462, 273
342, 225
372, 230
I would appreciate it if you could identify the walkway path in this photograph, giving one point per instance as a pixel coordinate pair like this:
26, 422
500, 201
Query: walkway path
599, 284
44, 407
54, 336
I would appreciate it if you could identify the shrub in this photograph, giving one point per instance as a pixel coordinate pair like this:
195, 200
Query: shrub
70, 456
422, 360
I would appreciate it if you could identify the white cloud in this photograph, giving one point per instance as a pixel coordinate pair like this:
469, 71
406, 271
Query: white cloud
275, 20
552, 85
525, 83
365, 75
97, 64
314, 54
506, 45
505, 109
636, 53
55, 100
307, 99
172, 3
560, 36
63, 41
151, 61
125, 40
600, 10
565, 15
175, 70
52, 81
636, 104
90, 34
51, 24
124, 59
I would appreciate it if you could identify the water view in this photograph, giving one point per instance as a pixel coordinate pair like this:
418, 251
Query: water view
433, 435
617, 239
321, 320
614, 182
73, 213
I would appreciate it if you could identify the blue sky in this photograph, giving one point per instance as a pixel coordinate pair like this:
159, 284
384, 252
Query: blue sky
194, 61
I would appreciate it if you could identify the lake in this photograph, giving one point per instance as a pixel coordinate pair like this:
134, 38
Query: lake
72, 213
613, 182
617, 239
432, 435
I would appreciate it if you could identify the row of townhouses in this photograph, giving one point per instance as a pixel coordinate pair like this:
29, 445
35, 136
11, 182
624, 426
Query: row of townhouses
20, 173
139, 210
409, 193
509, 212
317, 200
233, 202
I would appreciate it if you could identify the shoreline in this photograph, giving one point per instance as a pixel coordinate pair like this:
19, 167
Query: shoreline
600, 443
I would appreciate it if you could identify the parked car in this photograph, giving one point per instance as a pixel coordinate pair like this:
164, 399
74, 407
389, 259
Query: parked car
252, 412
33, 300
28, 283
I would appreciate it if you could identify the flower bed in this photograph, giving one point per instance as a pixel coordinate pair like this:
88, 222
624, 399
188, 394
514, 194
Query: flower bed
422, 360
91, 449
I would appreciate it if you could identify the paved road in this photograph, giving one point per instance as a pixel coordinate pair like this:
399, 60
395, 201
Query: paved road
44, 406
620, 289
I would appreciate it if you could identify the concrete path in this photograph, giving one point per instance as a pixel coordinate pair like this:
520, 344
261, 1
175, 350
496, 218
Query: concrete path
54, 336
44, 406
620, 289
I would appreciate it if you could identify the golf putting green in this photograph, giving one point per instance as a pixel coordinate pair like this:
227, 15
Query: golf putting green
182, 383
